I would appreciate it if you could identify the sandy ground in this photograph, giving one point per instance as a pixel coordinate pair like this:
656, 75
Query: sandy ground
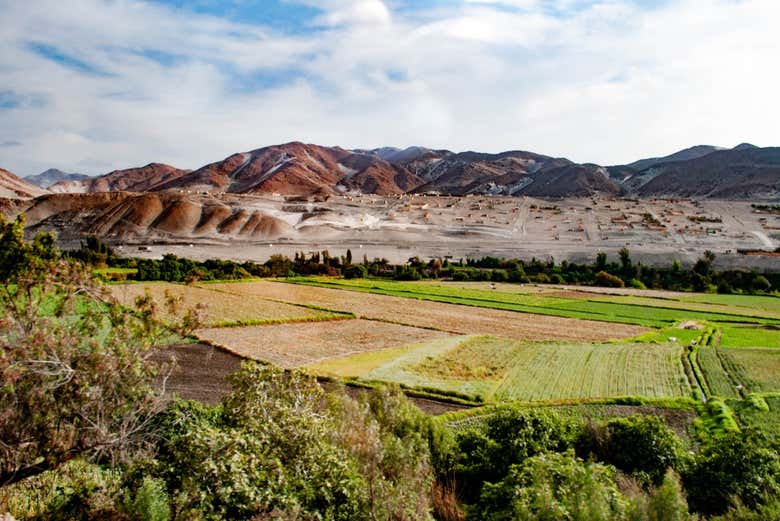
397, 228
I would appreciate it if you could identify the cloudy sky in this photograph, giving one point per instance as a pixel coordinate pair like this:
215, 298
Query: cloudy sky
93, 85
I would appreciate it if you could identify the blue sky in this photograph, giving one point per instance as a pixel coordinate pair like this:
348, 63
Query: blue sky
93, 85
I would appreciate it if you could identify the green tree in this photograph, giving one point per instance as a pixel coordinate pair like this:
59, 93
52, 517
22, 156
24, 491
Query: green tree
75, 376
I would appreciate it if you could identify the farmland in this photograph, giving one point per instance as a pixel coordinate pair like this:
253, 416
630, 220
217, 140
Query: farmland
441, 316
471, 342
757, 368
494, 369
224, 309
643, 311
296, 344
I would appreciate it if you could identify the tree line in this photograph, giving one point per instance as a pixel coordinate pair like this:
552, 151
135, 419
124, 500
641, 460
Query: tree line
621, 272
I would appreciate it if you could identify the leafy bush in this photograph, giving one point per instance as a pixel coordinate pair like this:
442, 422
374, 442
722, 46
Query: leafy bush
608, 280
507, 437
739, 467
552, 487
640, 445
280, 446
356, 271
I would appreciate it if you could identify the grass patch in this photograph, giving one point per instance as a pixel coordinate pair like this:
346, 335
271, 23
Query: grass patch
750, 336
763, 415
484, 368
478, 358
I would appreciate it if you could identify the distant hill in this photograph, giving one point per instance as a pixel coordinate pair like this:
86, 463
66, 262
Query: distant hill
53, 176
14, 187
683, 155
142, 179
745, 172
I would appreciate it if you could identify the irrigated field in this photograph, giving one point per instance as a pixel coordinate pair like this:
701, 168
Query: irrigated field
715, 374
489, 368
651, 312
757, 368
222, 308
435, 315
298, 344
585, 347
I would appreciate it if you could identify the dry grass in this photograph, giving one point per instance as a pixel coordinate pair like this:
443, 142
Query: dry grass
445, 317
222, 308
296, 345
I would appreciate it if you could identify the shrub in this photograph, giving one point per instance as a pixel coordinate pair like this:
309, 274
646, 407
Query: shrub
499, 276
738, 467
552, 486
355, 271
508, 437
150, 502
608, 280
641, 445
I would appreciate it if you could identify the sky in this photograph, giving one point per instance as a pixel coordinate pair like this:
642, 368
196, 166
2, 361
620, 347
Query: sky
95, 85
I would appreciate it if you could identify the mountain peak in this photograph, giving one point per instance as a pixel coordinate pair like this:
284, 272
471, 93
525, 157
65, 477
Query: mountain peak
53, 176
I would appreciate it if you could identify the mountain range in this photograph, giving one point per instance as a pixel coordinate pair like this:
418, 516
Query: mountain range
298, 169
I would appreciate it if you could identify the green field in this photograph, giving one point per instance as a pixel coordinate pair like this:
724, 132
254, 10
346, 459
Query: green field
716, 376
757, 368
485, 368
762, 414
738, 335
621, 309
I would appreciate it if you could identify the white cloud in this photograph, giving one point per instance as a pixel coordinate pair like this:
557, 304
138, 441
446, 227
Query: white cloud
608, 83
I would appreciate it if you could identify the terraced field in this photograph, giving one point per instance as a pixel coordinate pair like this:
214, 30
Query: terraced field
583, 347
757, 368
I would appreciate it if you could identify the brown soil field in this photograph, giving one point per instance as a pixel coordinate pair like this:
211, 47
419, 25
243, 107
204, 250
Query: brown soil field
200, 371
221, 307
451, 318
296, 345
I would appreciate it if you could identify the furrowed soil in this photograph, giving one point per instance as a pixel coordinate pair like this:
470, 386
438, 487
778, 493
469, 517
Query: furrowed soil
221, 307
299, 344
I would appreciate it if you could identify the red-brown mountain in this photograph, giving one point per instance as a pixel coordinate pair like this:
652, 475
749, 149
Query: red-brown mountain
507, 173
298, 169
743, 172
303, 170
163, 215
143, 179
14, 187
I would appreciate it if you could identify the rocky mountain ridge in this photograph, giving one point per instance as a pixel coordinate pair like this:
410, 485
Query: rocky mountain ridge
298, 169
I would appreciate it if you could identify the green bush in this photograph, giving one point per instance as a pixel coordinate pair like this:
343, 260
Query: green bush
356, 271
552, 487
608, 280
640, 445
736, 467
507, 437
150, 502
